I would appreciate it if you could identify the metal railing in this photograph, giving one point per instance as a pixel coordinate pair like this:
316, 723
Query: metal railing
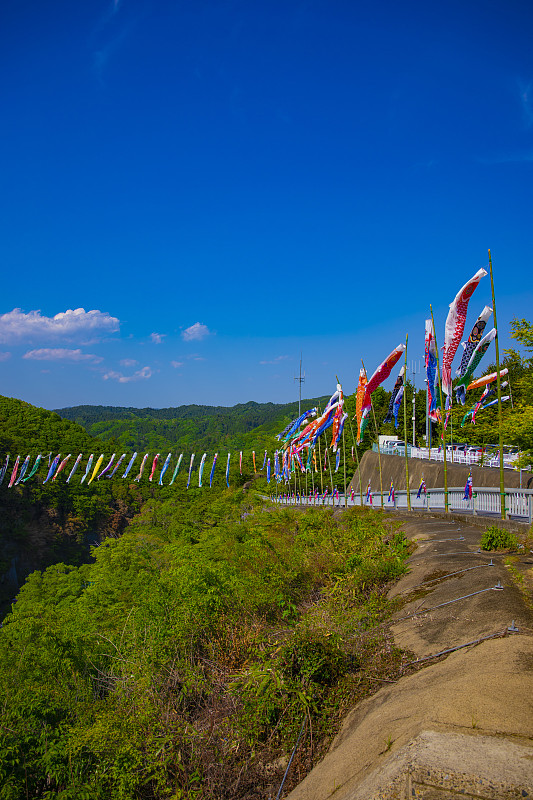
457, 457
484, 501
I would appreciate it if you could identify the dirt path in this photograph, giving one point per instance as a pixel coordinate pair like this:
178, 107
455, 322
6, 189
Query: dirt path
461, 726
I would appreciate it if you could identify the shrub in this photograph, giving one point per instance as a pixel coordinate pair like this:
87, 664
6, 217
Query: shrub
496, 538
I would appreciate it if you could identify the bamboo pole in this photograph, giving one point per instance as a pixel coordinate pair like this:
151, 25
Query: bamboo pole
320, 470
344, 457
451, 432
443, 429
329, 465
377, 436
499, 389
343, 450
405, 428
358, 463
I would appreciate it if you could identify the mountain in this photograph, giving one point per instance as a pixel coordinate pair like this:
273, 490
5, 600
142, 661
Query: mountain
41, 524
190, 426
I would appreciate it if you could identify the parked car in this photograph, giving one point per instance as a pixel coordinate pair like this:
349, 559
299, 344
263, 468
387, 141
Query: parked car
398, 445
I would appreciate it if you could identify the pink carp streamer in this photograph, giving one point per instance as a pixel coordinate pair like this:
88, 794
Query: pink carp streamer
62, 466
14, 473
154, 465
454, 328
381, 374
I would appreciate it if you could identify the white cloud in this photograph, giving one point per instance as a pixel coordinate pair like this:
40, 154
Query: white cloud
17, 325
128, 362
275, 360
4, 356
61, 354
157, 338
141, 374
196, 332
177, 364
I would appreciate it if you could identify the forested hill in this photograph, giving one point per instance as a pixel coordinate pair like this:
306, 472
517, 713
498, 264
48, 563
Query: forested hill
41, 524
210, 427
25, 428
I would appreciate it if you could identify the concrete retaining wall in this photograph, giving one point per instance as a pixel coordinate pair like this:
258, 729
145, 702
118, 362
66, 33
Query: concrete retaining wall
432, 472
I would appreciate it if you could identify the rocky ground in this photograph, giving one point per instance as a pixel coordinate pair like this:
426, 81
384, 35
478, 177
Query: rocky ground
458, 724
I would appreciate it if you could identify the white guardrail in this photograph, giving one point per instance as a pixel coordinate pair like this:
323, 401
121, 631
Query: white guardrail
484, 501
458, 456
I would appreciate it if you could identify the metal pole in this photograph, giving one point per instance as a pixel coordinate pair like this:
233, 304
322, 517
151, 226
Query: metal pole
405, 431
443, 430
499, 387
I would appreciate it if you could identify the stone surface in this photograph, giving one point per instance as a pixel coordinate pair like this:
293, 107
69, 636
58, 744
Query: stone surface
463, 725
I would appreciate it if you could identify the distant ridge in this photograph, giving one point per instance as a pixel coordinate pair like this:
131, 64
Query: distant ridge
90, 414
245, 425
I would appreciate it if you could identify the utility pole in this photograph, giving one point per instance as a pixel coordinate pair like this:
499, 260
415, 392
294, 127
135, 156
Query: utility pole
301, 379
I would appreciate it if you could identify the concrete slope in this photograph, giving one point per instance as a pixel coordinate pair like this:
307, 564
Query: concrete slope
462, 726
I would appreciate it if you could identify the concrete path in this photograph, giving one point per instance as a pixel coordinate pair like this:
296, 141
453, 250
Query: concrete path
462, 726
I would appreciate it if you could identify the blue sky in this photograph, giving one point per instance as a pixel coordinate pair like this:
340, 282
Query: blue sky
222, 185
